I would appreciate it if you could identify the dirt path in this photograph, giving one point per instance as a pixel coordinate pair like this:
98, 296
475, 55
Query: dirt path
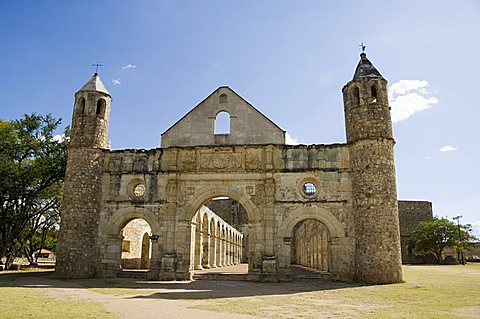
143, 304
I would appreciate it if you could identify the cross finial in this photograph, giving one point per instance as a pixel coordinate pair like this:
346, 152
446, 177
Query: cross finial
362, 47
96, 65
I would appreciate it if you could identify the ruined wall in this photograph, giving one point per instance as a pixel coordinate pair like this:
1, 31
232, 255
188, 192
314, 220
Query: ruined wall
267, 180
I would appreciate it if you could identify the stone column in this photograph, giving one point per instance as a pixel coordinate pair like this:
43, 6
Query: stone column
154, 271
206, 247
199, 245
213, 248
224, 250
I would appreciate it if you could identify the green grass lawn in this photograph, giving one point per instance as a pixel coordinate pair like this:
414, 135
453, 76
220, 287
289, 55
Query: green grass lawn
20, 302
428, 292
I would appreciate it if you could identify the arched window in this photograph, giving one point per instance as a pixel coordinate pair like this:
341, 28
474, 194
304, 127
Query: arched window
356, 95
374, 93
101, 107
222, 123
81, 105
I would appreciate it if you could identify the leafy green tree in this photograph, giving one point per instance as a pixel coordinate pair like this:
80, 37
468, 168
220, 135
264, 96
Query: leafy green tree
32, 169
434, 235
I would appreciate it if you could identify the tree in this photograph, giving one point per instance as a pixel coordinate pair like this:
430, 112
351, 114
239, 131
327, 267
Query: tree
32, 169
436, 234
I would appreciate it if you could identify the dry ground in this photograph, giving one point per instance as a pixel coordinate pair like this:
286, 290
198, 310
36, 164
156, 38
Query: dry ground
429, 292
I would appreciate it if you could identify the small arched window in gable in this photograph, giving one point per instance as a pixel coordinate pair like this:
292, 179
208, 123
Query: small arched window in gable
101, 107
374, 94
222, 123
223, 98
356, 95
81, 105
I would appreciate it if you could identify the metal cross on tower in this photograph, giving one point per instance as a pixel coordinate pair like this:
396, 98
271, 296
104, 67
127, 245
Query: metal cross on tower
96, 65
362, 47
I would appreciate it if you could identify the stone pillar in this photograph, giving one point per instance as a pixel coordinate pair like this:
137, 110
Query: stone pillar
199, 245
154, 271
213, 248
206, 247
224, 250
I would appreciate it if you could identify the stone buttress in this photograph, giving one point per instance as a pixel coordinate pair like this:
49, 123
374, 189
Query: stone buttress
77, 244
370, 141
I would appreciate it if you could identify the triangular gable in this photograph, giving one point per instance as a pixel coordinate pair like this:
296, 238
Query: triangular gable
247, 124
209, 96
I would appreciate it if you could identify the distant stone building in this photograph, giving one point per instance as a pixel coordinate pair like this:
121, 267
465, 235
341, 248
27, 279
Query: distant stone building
411, 213
329, 207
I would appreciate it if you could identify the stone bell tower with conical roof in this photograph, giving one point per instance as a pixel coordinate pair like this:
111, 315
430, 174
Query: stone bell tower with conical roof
77, 244
370, 140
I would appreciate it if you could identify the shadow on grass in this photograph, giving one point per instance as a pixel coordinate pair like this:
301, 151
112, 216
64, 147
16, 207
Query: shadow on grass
174, 290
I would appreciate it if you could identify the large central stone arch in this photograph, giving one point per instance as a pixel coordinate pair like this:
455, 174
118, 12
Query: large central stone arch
209, 192
253, 214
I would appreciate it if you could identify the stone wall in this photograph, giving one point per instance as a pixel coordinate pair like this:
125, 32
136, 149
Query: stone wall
266, 180
411, 213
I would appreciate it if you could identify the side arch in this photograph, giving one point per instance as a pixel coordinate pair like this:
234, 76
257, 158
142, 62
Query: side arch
341, 247
334, 226
122, 216
208, 193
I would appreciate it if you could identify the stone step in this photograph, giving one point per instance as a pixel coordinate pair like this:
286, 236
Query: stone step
134, 274
317, 276
222, 277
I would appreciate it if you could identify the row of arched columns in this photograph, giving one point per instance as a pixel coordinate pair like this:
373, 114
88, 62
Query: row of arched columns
311, 245
215, 243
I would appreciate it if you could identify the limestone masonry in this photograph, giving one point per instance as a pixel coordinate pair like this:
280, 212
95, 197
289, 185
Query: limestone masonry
206, 200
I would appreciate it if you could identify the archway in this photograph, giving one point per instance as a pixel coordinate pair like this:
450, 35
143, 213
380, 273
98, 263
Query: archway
218, 229
310, 245
136, 250
112, 239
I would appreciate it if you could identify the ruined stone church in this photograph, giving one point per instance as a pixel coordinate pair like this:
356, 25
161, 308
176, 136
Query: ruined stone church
204, 200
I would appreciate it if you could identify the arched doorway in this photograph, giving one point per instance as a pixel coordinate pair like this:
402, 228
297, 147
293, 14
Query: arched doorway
218, 230
136, 250
310, 245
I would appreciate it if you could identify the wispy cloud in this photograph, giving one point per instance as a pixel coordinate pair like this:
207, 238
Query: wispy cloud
408, 97
116, 82
448, 148
214, 64
290, 140
129, 66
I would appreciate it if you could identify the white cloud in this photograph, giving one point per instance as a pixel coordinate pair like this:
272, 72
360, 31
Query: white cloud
116, 82
408, 97
290, 140
59, 137
129, 66
448, 148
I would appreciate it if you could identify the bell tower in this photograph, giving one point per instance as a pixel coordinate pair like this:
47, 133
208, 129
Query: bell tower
370, 140
77, 244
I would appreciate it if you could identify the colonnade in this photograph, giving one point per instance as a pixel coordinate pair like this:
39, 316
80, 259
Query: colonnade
215, 243
311, 239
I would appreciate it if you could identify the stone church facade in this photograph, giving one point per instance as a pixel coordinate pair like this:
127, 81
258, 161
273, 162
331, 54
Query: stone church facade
330, 207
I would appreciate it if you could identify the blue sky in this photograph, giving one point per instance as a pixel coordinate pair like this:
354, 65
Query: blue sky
288, 58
